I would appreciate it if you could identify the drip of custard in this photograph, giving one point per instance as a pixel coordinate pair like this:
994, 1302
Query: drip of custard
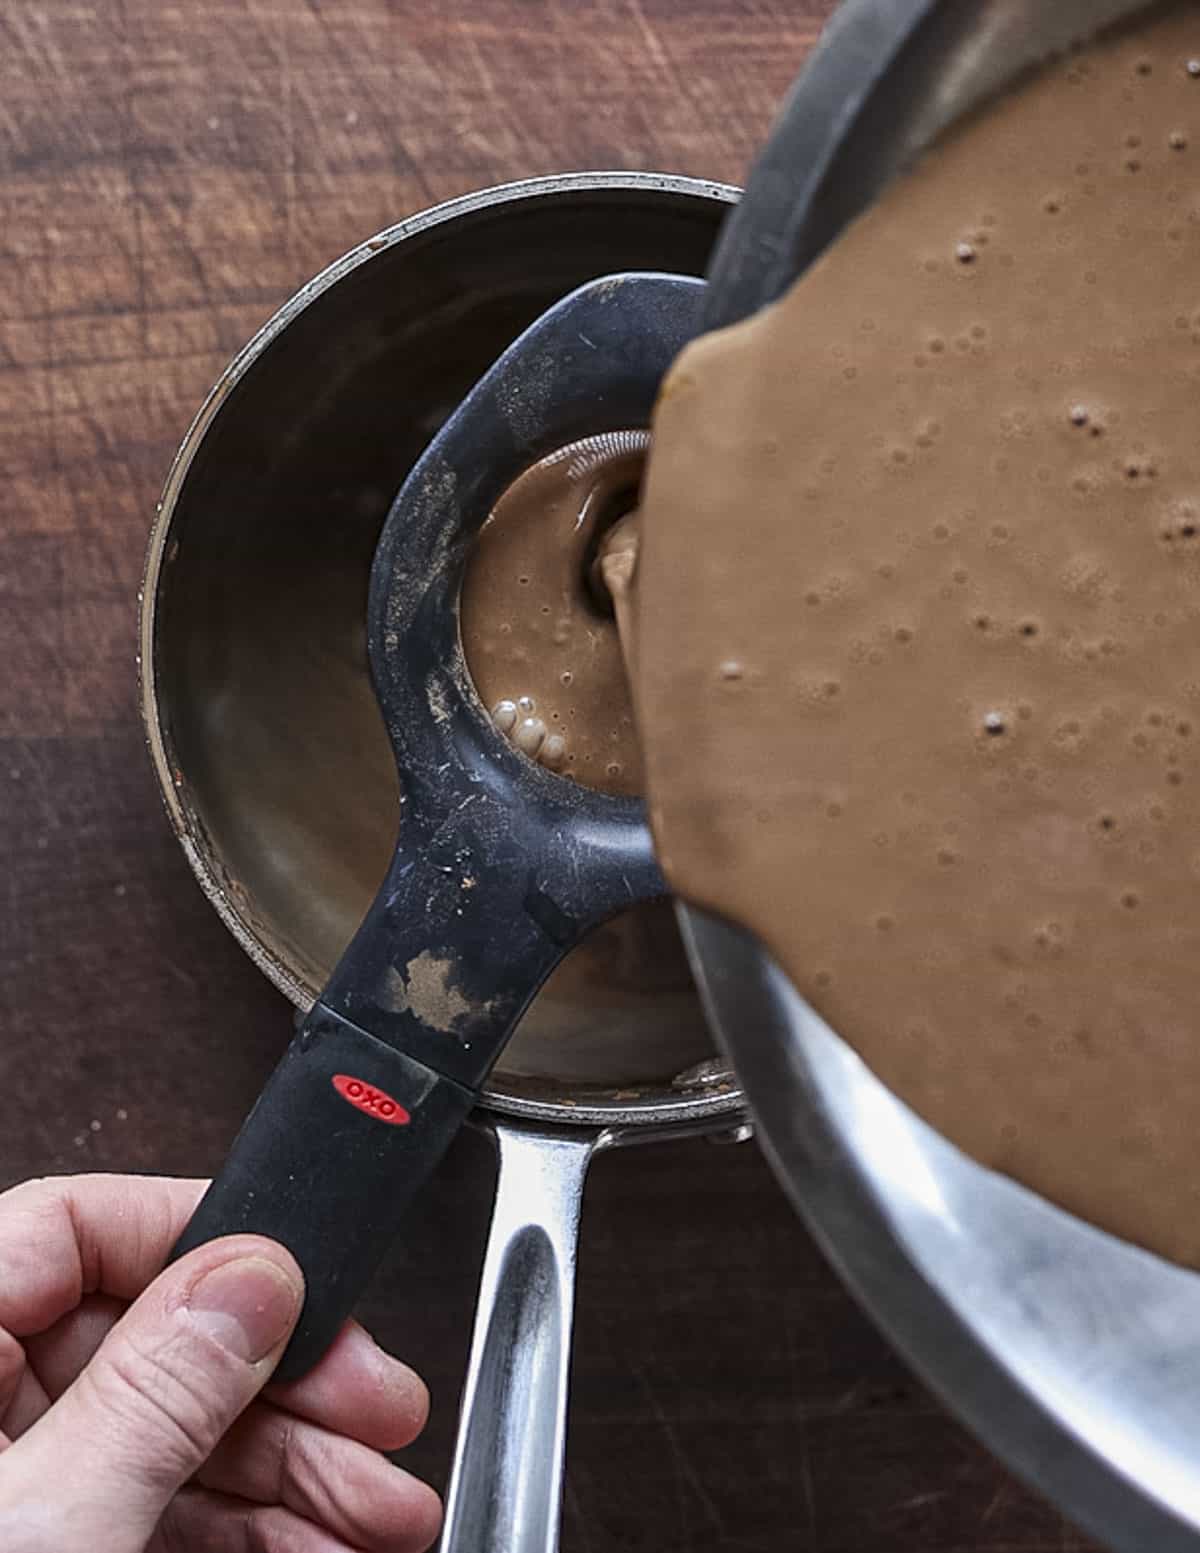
918, 670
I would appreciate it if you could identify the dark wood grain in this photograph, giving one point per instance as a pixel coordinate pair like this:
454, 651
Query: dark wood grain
169, 173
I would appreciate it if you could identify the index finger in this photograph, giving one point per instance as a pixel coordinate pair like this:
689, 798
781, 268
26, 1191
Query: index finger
62, 1237
360, 1391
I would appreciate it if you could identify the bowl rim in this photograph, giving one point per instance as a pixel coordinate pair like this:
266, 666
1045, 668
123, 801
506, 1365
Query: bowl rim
723, 1104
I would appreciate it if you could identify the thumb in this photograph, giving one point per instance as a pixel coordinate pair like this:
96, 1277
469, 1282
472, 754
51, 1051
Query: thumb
160, 1391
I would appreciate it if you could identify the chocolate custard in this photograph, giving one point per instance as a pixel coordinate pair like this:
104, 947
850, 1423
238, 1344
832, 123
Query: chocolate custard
919, 633
542, 649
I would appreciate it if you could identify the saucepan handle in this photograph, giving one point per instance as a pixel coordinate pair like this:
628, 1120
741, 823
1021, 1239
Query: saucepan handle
506, 1482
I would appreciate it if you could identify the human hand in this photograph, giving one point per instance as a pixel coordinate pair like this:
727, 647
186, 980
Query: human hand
130, 1420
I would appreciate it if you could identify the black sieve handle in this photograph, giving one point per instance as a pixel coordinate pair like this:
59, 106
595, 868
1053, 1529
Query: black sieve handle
342, 1137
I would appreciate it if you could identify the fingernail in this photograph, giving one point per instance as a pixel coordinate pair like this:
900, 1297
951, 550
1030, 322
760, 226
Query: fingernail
248, 1305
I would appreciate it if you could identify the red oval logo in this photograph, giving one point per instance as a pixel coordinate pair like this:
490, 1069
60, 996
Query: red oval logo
366, 1097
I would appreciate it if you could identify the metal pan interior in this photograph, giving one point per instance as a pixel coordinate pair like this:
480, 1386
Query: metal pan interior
266, 739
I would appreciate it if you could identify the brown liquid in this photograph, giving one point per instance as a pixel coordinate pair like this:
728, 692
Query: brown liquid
543, 655
919, 634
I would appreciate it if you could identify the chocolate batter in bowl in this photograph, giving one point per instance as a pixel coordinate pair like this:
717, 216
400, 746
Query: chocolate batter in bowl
1072, 1352
955, 673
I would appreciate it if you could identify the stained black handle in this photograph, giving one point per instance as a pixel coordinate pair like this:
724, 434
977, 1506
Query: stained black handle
501, 866
344, 1134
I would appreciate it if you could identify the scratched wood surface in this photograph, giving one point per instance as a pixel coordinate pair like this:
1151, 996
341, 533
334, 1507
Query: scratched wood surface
169, 173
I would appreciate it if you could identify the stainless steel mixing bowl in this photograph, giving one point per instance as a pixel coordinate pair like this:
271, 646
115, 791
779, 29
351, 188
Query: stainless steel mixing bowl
1076, 1356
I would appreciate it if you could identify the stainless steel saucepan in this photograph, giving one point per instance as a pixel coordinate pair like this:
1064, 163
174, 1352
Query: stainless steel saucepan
278, 775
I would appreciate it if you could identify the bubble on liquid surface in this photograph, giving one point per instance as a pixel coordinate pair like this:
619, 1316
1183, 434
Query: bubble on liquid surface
553, 753
504, 715
529, 735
